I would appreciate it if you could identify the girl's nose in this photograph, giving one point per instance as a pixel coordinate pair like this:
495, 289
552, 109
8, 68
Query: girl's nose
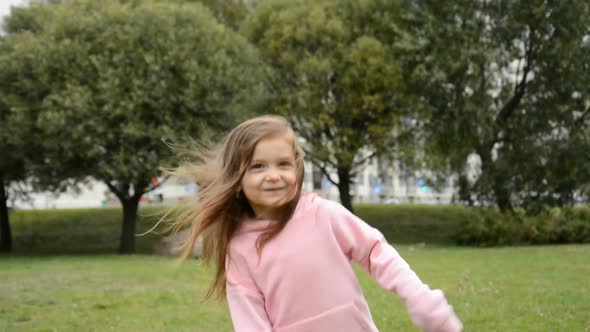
273, 177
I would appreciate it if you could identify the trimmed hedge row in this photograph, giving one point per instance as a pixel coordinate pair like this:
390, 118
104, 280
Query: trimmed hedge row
98, 230
414, 223
91, 230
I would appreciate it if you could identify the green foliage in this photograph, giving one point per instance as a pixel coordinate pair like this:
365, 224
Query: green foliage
552, 226
13, 146
75, 231
489, 228
229, 12
95, 230
103, 85
508, 81
416, 223
25, 18
336, 76
108, 82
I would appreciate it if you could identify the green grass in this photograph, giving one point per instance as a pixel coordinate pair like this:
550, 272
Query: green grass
63, 276
542, 288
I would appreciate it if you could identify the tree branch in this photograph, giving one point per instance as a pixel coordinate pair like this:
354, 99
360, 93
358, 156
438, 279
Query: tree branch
154, 187
579, 123
517, 73
314, 158
325, 172
364, 160
115, 190
520, 89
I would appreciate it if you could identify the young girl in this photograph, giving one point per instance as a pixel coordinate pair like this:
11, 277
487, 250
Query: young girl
283, 258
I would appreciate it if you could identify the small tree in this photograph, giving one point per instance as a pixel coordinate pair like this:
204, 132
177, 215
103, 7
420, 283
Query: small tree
107, 82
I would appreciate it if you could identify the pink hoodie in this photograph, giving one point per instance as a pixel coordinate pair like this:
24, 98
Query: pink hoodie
304, 281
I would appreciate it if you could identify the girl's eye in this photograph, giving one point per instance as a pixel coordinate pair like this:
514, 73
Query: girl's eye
285, 164
256, 166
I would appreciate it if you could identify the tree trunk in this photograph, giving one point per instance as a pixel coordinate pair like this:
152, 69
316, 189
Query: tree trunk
501, 192
502, 195
130, 205
344, 188
5, 233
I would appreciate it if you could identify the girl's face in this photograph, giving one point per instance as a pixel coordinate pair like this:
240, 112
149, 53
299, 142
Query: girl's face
270, 177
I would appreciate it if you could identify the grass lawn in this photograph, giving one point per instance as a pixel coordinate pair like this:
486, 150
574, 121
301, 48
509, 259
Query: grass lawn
544, 288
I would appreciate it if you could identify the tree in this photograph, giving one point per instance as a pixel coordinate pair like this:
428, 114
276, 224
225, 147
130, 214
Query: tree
336, 77
499, 79
106, 83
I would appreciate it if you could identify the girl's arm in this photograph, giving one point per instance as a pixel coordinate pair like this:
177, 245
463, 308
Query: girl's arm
365, 245
246, 302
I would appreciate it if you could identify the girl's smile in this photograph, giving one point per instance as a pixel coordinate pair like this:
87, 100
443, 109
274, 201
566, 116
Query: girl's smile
270, 176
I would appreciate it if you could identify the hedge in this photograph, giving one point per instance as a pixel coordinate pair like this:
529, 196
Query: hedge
97, 230
553, 226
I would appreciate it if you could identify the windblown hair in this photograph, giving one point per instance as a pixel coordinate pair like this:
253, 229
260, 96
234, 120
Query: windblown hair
221, 206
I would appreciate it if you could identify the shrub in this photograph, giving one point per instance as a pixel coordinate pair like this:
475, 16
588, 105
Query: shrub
91, 230
488, 228
555, 225
409, 223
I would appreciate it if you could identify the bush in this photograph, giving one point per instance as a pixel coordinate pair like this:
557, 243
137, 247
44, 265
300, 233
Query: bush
98, 230
91, 230
487, 228
409, 223
552, 226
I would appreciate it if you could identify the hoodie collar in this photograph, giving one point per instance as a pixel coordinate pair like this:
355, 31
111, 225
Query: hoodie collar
305, 203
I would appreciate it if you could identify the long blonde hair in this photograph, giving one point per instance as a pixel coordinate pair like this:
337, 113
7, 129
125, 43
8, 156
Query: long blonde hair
221, 206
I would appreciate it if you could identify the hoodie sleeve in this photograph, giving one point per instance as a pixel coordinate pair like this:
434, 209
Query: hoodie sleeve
365, 245
245, 300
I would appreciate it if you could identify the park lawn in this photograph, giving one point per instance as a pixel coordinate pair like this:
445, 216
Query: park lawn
540, 288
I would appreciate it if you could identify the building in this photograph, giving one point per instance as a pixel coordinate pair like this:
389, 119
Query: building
382, 182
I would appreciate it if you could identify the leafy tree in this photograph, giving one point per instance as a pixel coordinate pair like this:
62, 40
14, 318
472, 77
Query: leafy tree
336, 76
500, 78
107, 82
